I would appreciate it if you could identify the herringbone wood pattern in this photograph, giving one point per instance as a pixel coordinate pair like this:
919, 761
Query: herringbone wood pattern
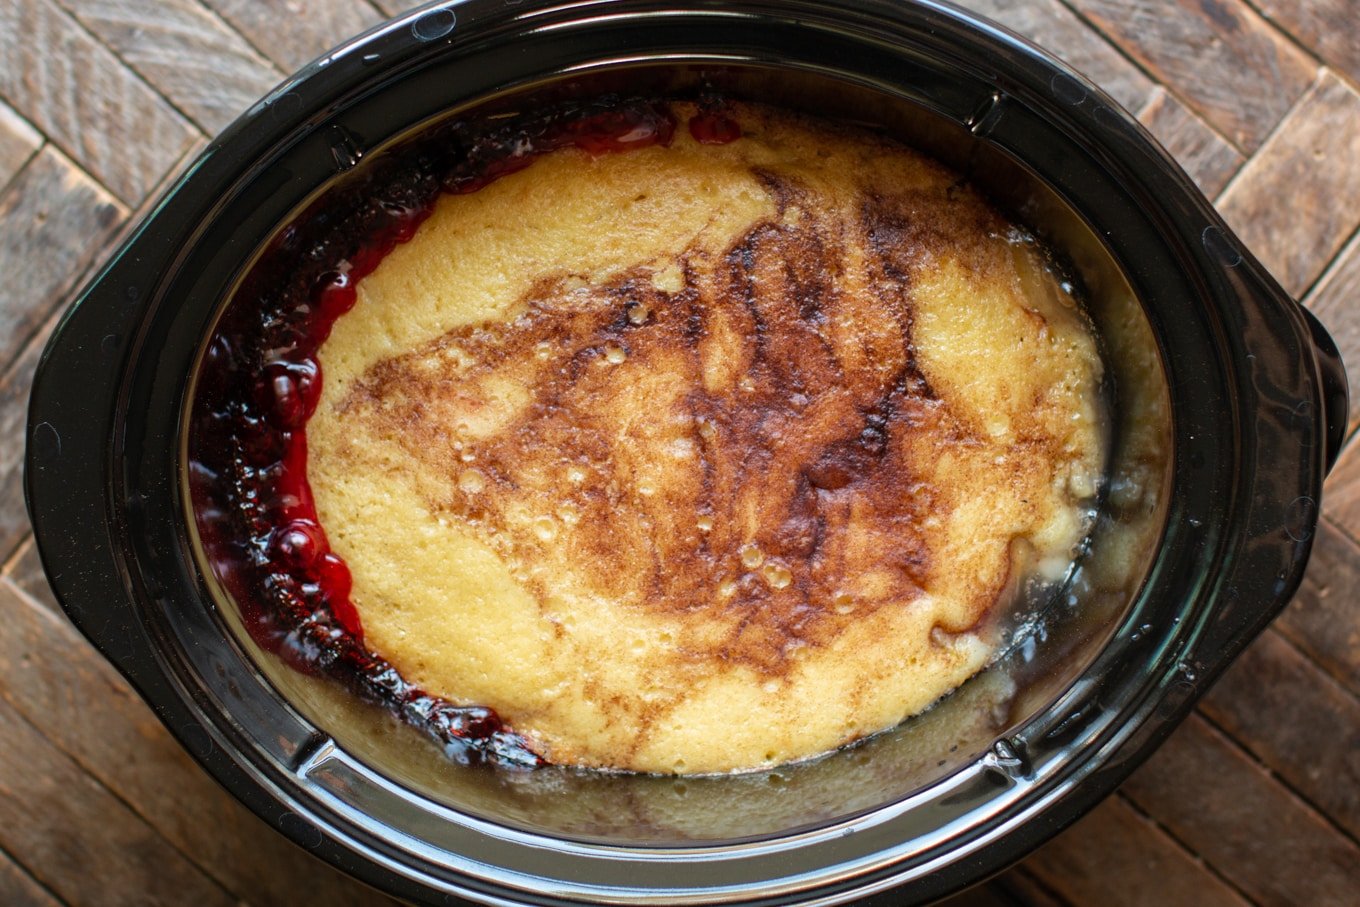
1256, 800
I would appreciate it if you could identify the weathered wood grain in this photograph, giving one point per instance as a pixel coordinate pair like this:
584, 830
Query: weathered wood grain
204, 68
81, 96
1114, 856
18, 142
294, 32
1218, 57
124, 747
53, 222
397, 7
1298, 199
1057, 29
25, 571
77, 838
14, 387
1298, 721
1207, 157
18, 889
1227, 62
1324, 620
1335, 299
1329, 28
1228, 809
1341, 492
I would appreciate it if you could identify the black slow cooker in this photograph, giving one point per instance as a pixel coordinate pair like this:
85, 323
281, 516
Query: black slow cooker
1228, 401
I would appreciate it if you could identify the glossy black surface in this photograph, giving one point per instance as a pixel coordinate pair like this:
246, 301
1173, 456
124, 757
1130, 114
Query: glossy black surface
1258, 402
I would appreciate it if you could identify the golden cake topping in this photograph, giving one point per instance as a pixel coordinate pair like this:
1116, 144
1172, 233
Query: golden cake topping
705, 457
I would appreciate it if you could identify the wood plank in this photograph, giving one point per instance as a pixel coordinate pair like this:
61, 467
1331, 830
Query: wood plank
81, 96
1207, 157
74, 836
14, 388
1323, 622
25, 571
1310, 161
314, 26
1335, 299
1228, 809
397, 7
1280, 705
1024, 888
19, 889
1329, 28
204, 68
1115, 856
1060, 31
1229, 64
53, 222
1341, 492
1323, 619
123, 745
18, 142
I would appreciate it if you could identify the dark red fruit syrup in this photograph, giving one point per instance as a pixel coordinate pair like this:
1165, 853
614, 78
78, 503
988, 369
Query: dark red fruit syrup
260, 383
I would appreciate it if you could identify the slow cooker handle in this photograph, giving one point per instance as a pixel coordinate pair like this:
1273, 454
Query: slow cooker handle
1335, 387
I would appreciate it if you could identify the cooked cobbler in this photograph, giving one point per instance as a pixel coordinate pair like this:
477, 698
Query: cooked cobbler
707, 456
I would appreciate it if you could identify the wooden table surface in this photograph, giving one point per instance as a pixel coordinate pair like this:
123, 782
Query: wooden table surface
1254, 800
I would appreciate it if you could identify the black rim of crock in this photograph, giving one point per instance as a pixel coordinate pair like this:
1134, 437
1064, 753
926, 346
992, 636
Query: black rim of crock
1256, 388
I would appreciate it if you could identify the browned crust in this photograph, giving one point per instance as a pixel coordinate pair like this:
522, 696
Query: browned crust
806, 446
742, 455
